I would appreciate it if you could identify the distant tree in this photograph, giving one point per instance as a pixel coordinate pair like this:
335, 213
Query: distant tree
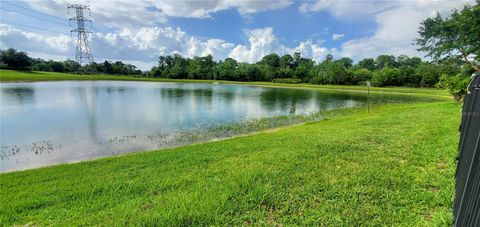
297, 56
328, 59
367, 63
361, 75
454, 37
271, 60
71, 66
303, 68
383, 61
248, 72
201, 68
106, 67
286, 61
346, 62
387, 76
14, 59
179, 67
331, 73
428, 74
409, 77
404, 60
226, 69
56, 66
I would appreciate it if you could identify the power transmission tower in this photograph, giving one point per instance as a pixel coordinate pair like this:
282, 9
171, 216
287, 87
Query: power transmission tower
83, 52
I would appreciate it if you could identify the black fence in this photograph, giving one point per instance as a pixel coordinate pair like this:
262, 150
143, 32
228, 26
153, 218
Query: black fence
466, 207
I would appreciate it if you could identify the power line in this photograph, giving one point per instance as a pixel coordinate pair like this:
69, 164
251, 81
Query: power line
37, 17
46, 19
108, 28
31, 27
15, 5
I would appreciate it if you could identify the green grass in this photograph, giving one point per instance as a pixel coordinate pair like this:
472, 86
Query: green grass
392, 167
31, 76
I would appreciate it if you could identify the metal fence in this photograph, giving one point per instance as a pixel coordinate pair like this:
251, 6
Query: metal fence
466, 207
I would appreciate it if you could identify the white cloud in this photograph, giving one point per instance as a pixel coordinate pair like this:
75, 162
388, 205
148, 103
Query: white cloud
118, 13
202, 9
122, 13
397, 29
345, 9
141, 46
337, 37
52, 44
313, 50
263, 42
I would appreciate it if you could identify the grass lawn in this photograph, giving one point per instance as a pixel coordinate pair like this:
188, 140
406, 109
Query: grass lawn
392, 167
31, 76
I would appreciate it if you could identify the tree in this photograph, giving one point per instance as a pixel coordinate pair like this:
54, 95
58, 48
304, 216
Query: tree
14, 59
346, 62
367, 63
428, 74
454, 37
456, 85
404, 60
226, 69
387, 77
331, 73
271, 60
297, 56
328, 58
304, 66
383, 61
286, 61
201, 68
107, 67
248, 72
179, 68
361, 75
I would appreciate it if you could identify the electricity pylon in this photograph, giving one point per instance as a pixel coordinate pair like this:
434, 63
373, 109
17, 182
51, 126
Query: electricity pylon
83, 52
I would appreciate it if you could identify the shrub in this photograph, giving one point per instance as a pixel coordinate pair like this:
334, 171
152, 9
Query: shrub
387, 77
360, 75
429, 75
456, 85
287, 80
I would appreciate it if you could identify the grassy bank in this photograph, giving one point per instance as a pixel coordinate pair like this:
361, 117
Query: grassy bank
33, 76
392, 167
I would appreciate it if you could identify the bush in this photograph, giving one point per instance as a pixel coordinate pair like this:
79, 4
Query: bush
456, 85
429, 75
360, 75
287, 80
387, 77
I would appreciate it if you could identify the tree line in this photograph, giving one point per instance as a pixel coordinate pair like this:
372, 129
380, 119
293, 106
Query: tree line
19, 60
384, 70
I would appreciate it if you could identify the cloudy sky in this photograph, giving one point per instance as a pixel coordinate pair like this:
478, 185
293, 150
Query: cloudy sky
138, 31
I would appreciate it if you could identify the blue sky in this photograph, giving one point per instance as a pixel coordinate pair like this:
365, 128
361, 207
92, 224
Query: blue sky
139, 31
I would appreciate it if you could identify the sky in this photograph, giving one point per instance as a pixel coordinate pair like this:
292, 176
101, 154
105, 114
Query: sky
139, 31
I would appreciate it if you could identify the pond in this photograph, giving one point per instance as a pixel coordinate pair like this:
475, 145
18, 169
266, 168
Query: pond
46, 123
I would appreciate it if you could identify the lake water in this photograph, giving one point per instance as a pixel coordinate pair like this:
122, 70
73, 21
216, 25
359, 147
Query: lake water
45, 123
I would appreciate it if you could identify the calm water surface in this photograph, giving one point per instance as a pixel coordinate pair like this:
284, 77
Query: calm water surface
45, 123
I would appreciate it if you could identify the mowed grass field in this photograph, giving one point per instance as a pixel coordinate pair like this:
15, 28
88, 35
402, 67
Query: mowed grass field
394, 166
